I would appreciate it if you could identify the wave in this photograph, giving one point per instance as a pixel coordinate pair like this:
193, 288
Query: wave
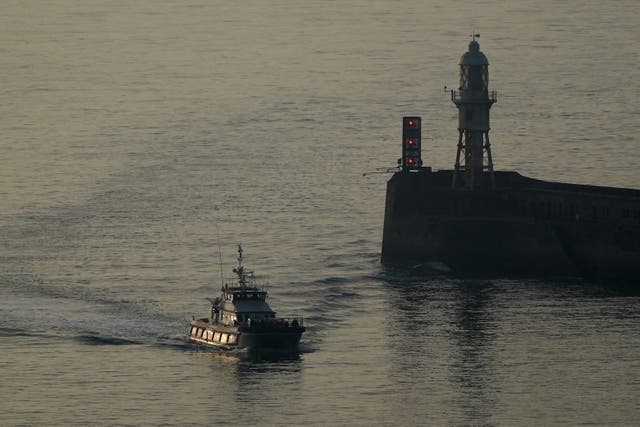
104, 340
174, 341
15, 332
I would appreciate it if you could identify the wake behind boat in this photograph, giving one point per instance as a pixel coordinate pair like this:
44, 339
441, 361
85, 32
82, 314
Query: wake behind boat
241, 317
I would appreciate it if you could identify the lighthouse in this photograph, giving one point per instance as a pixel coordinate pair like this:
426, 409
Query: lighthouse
473, 101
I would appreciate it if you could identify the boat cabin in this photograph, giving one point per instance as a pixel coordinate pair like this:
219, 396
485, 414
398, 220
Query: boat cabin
241, 306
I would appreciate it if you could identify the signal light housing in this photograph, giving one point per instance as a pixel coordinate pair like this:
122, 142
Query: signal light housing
411, 143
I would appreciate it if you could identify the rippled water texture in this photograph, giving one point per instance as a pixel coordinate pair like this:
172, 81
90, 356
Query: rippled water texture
137, 136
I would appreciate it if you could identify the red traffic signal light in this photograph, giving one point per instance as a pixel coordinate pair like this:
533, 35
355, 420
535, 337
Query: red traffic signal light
411, 138
413, 162
411, 123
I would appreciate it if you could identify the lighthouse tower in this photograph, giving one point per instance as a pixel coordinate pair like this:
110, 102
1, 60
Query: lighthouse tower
473, 101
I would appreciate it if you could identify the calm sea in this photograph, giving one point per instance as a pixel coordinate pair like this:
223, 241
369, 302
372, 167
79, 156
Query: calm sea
137, 136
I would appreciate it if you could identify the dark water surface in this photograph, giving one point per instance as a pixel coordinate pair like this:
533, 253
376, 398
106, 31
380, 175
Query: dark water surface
138, 135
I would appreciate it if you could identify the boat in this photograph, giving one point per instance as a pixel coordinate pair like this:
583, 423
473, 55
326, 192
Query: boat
242, 318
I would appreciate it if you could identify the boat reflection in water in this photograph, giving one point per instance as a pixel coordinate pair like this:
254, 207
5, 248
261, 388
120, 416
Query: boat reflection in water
242, 319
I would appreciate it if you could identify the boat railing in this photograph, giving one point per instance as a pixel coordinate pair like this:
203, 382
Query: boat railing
277, 323
299, 321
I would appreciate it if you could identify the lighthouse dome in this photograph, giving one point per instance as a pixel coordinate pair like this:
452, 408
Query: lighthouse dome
474, 56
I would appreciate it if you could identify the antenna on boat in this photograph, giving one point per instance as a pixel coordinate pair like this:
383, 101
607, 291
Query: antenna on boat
219, 255
221, 270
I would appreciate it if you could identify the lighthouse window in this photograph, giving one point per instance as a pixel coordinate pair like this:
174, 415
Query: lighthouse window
464, 77
485, 77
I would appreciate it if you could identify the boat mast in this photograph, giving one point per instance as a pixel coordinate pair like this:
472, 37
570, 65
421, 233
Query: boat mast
239, 270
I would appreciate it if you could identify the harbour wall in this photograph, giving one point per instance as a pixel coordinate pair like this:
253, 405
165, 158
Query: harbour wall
523, 226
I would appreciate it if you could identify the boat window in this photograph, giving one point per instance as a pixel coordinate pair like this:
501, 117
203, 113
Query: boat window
216, 336
232, 338
209, 335
194, 330
223, 338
